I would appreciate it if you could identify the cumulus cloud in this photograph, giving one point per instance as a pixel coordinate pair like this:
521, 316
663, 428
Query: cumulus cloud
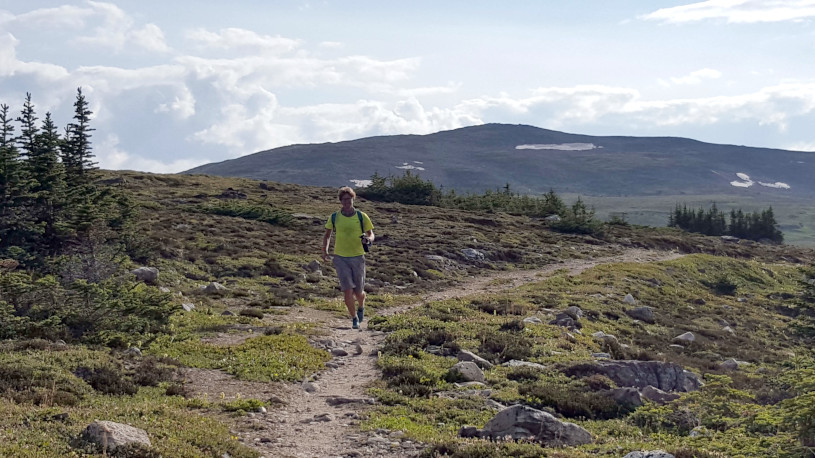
63, 16
98, 24
579, 105
111, 156
801, 146
697, 77
235, 39
737, 11
11, 66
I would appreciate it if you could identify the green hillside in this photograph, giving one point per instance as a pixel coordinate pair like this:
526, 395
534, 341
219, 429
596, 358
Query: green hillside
743, 301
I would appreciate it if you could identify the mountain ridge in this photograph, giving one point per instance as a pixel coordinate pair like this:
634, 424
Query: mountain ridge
477, 158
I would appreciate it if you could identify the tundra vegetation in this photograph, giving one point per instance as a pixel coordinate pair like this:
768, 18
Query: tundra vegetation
84, 338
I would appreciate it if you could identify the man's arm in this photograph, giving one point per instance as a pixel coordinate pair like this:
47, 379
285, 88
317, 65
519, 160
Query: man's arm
326, 243
370, 236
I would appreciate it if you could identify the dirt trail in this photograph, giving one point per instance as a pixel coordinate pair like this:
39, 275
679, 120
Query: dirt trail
323, 423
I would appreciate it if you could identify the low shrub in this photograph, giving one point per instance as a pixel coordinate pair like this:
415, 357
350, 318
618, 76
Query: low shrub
151, 371
572, 401
500, 347
248, 210
107, 380
252, 312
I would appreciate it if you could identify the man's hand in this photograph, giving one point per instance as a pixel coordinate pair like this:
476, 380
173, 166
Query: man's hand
326, 257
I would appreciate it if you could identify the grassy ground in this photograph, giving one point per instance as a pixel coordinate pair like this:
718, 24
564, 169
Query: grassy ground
49, 392
741, 412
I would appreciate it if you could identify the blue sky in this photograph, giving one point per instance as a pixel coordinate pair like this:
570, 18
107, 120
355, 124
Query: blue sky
175, 84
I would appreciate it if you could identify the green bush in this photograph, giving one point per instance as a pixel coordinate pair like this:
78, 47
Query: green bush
408, 189
500, 347
115, 312
573, 401
578, 220
248, 210
107, 380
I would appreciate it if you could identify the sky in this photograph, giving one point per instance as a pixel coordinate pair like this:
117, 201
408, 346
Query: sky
176, 84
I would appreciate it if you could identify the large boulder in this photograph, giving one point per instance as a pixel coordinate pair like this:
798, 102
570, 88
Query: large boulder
523, 422
214, 288
148, 275
639, 374
649, 454
110, 435
645, 314
519, 363
626, 396
657, 395
465, 355
467, 371
564, 320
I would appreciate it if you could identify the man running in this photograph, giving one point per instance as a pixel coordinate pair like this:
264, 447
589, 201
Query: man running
354, 235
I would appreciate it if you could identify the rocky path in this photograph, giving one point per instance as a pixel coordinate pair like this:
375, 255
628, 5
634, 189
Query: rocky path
319, 417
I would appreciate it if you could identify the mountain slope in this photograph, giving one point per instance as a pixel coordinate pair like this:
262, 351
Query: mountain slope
533, 160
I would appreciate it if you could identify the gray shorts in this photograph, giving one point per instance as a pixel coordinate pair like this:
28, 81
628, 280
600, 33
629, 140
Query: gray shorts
350, 272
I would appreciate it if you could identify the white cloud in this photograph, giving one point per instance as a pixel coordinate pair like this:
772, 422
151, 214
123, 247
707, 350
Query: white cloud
234, 39
111, 156
697, 76
332, 45
737, 11
11, 66
63, 16
801, 146
149, 37
556, 107
183, 105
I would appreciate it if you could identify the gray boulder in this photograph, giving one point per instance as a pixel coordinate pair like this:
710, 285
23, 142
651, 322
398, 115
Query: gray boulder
639, 374
626, 396
658, 396
465, 355
214, 287
522, 422
685, 338
533, 320
574, 312
650, 454
629, 299
473, 254
188, 306
518, 363
645, 314
148, 275
468, 371
110, 435
566, 321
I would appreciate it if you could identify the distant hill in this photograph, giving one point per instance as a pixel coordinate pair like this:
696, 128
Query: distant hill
533, 160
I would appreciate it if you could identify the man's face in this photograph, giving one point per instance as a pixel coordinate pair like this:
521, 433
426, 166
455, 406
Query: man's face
347, 201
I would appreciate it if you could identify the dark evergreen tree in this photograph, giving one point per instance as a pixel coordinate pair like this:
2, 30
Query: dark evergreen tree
48, 186
77, 156
11, 183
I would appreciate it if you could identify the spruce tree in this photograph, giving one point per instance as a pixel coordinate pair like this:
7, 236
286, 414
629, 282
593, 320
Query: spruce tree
11, 182
48, 188
77, 156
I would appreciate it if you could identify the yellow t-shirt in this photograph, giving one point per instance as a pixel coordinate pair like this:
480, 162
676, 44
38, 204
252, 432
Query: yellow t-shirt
347, 241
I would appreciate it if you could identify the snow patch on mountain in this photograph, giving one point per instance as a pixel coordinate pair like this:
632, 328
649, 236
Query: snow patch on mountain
561, 146
746, 182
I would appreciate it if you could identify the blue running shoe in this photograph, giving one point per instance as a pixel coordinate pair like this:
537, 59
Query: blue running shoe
360, 314
355, 323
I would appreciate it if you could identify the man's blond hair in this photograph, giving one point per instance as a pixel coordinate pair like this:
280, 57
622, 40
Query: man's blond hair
346, 190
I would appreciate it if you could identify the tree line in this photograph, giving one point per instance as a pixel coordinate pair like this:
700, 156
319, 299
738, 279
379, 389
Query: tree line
752, 225
49, 198
66, 238
411, 189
